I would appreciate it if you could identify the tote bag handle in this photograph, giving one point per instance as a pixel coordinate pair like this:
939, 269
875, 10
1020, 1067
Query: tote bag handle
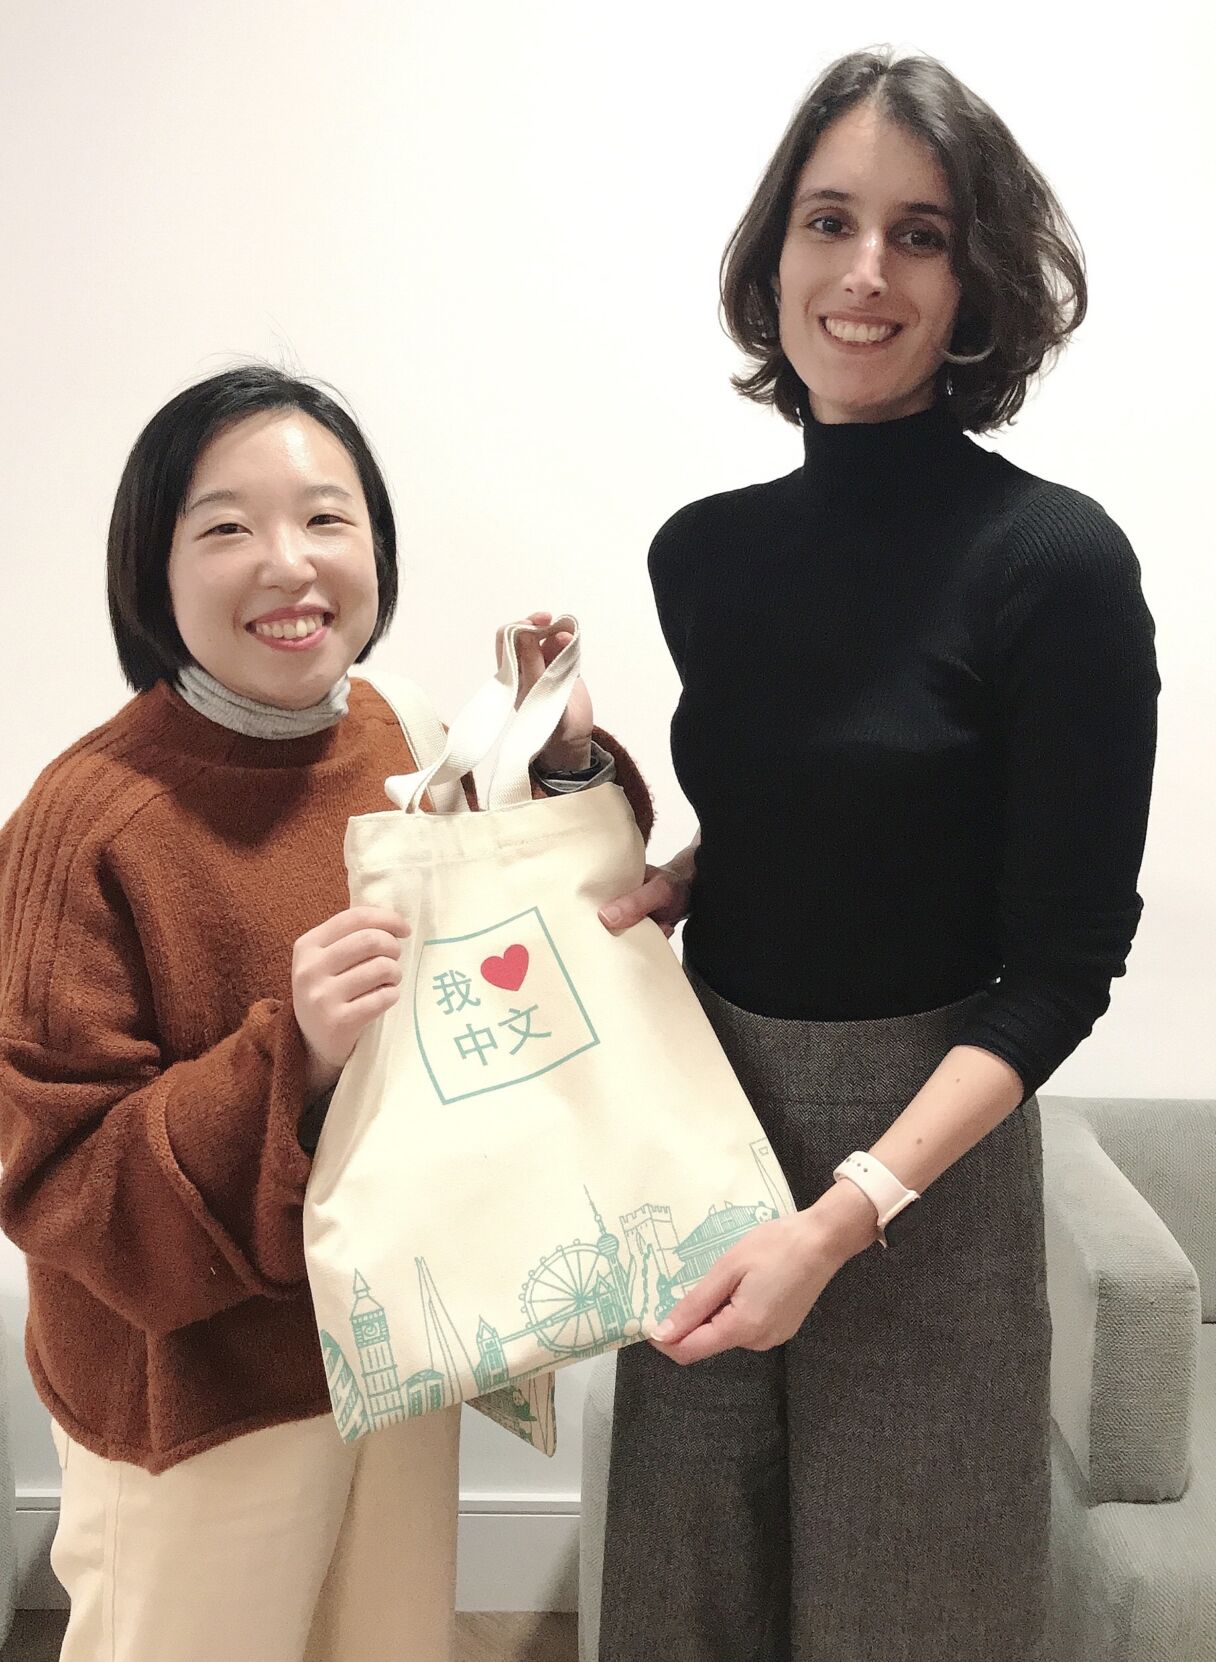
490, 720
423, 732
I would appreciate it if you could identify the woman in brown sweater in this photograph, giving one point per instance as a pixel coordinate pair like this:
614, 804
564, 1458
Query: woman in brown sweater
180, 979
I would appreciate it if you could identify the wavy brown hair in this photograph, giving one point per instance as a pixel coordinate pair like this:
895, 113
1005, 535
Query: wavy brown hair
1020, 267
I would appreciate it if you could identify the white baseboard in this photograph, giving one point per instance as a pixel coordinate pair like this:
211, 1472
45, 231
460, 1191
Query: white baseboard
517, 1552
517, 1561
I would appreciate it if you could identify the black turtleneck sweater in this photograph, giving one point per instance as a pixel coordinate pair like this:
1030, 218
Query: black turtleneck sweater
917, 726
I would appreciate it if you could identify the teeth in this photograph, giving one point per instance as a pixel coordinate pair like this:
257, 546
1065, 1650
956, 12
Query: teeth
289, 629
866, 333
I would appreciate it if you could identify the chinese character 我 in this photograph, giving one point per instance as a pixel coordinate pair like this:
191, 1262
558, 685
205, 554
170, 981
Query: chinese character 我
455, 991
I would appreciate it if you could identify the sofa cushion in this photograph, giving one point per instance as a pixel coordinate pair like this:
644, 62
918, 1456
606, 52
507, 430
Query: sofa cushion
1136, 1583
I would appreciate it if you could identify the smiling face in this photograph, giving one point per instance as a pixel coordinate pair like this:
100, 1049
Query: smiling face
866, 294
272, 571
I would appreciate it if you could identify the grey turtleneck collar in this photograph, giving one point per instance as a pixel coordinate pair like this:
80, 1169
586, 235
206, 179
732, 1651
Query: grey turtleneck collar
211, 698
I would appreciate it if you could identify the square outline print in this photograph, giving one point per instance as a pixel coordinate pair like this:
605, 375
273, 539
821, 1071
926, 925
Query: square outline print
459, 940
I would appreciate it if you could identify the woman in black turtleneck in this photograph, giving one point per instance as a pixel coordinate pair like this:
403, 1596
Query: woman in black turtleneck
917, 725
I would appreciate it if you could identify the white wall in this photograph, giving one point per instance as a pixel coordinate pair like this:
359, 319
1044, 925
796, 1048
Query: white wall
496, 228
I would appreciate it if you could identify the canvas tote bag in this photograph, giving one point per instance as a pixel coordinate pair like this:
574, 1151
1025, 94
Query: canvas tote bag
541, 1147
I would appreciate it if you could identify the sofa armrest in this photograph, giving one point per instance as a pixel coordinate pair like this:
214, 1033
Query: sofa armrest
1125, 1314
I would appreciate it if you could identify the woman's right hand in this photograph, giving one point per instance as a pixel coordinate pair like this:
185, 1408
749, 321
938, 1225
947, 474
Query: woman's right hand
344, 973
663, 896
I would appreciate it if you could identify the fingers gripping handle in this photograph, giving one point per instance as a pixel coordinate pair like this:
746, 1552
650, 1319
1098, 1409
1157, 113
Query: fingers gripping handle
490, 718
472, 735
535, 722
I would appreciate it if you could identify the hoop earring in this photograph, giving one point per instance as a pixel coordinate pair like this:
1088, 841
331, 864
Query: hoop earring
970, 357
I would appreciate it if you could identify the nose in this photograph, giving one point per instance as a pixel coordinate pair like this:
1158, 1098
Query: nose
866, 276
288, 562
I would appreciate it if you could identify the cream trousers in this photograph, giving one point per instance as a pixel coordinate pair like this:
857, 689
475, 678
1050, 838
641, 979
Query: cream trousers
283, 1545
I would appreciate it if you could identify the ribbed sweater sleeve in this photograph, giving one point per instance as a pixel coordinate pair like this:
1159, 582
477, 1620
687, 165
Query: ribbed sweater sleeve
1075, 686
171, 1191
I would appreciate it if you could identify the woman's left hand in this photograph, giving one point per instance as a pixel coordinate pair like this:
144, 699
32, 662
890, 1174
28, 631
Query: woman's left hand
569, 750
759, 1293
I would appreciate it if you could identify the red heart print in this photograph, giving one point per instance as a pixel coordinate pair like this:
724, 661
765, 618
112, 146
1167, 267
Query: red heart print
507, 972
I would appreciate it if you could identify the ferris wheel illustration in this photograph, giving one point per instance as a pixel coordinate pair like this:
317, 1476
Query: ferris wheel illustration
562, 1298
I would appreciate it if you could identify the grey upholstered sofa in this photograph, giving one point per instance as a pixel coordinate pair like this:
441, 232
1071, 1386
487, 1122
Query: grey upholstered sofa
1131, 1255
1131, 1247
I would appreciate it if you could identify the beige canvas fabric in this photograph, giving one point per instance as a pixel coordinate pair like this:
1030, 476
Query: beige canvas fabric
542, 1146
279, 1546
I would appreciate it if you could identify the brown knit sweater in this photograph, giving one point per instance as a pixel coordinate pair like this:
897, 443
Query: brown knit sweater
151, 1070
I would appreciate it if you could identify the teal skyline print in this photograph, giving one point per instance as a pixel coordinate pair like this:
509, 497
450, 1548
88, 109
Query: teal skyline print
496, 1008
580, 1299
376, 1395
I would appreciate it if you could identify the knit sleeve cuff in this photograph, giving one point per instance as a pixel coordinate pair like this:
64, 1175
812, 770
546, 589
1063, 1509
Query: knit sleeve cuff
235, 1139
630, 780
289, 1103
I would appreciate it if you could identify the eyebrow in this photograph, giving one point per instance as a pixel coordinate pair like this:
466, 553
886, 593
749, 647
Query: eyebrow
826, 195
210, 498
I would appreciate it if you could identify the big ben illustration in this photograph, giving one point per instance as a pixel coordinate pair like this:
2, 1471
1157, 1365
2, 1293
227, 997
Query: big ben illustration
381, 1383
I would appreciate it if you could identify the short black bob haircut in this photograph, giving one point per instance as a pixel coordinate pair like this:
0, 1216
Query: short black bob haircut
152, 494
1020, 267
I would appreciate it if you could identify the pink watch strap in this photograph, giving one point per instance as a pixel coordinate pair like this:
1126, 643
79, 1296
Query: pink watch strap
881, 1187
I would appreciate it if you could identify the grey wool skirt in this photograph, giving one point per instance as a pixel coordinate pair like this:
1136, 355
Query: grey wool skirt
876, 1490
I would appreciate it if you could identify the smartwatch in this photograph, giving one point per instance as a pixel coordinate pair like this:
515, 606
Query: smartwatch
885, 1192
